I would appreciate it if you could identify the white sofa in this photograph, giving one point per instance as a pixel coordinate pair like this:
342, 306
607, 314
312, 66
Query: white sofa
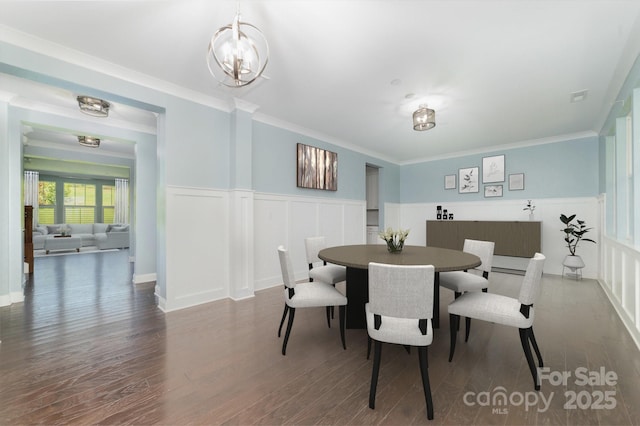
102, 235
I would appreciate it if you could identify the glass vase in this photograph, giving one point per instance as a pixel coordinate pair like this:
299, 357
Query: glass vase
395, 246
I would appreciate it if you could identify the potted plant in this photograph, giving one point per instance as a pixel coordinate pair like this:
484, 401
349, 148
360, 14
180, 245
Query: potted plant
531, 208
574, 233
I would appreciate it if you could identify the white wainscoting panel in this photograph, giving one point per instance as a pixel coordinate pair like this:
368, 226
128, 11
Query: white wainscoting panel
330, 223
197, 246
354, 223
288, 220
271, 216
303, 219
393, 218
621, 282
241, 244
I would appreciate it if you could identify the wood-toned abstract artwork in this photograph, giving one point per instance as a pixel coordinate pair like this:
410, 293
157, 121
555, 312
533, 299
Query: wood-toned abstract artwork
317, 168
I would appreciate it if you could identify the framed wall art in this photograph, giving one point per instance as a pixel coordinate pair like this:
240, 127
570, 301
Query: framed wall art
468, 180
317, 168
450, 182
493, 169
516, 182
492, 191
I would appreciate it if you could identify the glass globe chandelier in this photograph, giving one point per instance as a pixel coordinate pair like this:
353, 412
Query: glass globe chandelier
238, 53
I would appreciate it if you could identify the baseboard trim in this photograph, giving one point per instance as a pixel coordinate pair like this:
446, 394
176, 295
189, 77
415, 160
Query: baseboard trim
144, 278
508, 271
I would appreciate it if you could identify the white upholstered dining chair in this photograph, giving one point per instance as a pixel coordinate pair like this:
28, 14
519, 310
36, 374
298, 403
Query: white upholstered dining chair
399, 311
499, 309
319, 270
306, 295
475, 280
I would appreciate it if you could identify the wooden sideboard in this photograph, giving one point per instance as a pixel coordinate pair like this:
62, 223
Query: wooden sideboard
517, 239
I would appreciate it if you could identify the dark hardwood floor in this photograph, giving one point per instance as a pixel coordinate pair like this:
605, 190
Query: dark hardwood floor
87, 347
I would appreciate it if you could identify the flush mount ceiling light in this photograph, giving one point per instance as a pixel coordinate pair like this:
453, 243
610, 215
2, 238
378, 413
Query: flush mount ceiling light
424, 118
93, 106
89, 141
237, 54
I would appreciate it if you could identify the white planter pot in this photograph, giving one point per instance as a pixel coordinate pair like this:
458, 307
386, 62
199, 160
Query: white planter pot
573, 262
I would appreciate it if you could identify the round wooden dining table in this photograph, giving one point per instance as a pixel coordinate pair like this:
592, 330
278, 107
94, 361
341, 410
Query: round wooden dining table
356, 258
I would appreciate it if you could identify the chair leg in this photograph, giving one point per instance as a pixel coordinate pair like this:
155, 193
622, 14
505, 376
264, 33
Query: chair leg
424, 370
292, 313
524, 339
457, 294
342, 314
284, 315
377, 353
334, 286
454, 322
467, 322
329, 316
532, 337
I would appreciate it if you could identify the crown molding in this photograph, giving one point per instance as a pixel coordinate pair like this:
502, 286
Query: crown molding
81, 59
505, 147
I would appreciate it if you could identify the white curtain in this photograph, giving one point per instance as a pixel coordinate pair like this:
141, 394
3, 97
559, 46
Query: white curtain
31, 180
122, 201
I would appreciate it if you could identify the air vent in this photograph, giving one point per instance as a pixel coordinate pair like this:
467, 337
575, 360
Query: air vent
578, 96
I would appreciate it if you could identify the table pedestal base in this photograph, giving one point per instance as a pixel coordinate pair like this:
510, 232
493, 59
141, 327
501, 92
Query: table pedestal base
357, 297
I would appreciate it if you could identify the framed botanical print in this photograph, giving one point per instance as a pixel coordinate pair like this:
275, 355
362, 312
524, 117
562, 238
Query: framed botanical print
468, 180
492, 191
493, 169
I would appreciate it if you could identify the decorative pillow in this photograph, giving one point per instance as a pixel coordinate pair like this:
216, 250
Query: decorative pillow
120, 228
42, 229
100, 228
83, 228
109, 228
53, 229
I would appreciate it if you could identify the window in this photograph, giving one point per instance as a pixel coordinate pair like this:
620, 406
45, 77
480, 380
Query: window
74, 200
79, 203
46, 202
108, 203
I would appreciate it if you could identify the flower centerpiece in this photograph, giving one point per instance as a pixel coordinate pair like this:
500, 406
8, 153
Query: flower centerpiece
394, 239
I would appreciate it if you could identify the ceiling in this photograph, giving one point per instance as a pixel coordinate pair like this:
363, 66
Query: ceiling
498, 73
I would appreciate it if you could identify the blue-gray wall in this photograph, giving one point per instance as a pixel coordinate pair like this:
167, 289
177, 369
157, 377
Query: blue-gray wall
561, 169
274, 167
198, 155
